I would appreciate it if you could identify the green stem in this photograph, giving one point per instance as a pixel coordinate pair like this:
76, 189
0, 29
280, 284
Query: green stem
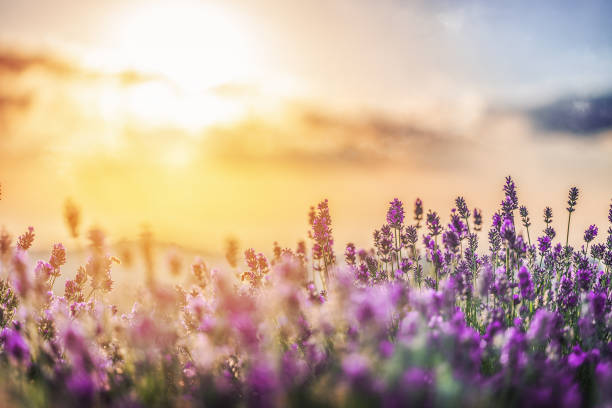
528, 237
569, 218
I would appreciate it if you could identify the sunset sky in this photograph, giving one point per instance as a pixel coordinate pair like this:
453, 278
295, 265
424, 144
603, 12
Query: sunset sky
208, 119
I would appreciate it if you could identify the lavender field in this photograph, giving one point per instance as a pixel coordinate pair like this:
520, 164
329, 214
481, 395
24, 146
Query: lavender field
483, 311
302, 203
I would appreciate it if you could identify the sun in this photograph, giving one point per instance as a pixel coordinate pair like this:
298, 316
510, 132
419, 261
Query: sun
196, 45
187, 50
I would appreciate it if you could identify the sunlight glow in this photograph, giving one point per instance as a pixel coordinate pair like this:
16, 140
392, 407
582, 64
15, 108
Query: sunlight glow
193, 44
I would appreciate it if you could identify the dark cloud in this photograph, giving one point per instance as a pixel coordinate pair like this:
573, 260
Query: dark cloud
581, 116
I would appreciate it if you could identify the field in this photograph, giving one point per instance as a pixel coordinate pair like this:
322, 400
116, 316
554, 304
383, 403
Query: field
478, 312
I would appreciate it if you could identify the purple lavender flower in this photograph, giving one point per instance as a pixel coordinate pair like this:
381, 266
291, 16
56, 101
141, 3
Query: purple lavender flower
590, 233
566, 298
262, 383
525, 283
524, 216
433, 223
356, 368
410, 236
513, 355
585, 277
395, 214
543, 244
510, 191
496, 221
598, 304
477, 214
82, 387
598, 251
15, 345
548, 215
462, 208
550, 232
572, 199
350, 255
507, 230
451, 240
418, 212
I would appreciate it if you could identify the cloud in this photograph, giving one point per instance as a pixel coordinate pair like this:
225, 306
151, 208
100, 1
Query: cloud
15, 63
580, 116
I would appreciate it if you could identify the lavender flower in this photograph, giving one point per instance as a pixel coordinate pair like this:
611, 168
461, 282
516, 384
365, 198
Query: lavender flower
477, 214
544, 244
590, 233
525, 283
462, 208
58, 256
350, 255
395, 214
15, 345
572, 199
418, 212
433, 223
24, 242
548, 215
510, 191
507, 230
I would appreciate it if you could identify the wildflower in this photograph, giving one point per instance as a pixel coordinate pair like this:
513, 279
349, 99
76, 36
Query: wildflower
24, 242
543, 244
598, 304
433, 223
72, 291
451, 240
524, 216
231, 251
572, 200
395, 214
410, 236
321, 233
174, 263
513, 353
81, 387
72, 215
58, 256
462, 208
507, 230
350, 254
5, 243
550, 232
23, 281
525, 283
510, 191
548, 215
15, 345
477, 214
584, 278
598, 251
590, 233
418, 212
356, 368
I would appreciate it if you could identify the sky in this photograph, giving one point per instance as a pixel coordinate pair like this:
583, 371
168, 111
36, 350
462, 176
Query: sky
217, 118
